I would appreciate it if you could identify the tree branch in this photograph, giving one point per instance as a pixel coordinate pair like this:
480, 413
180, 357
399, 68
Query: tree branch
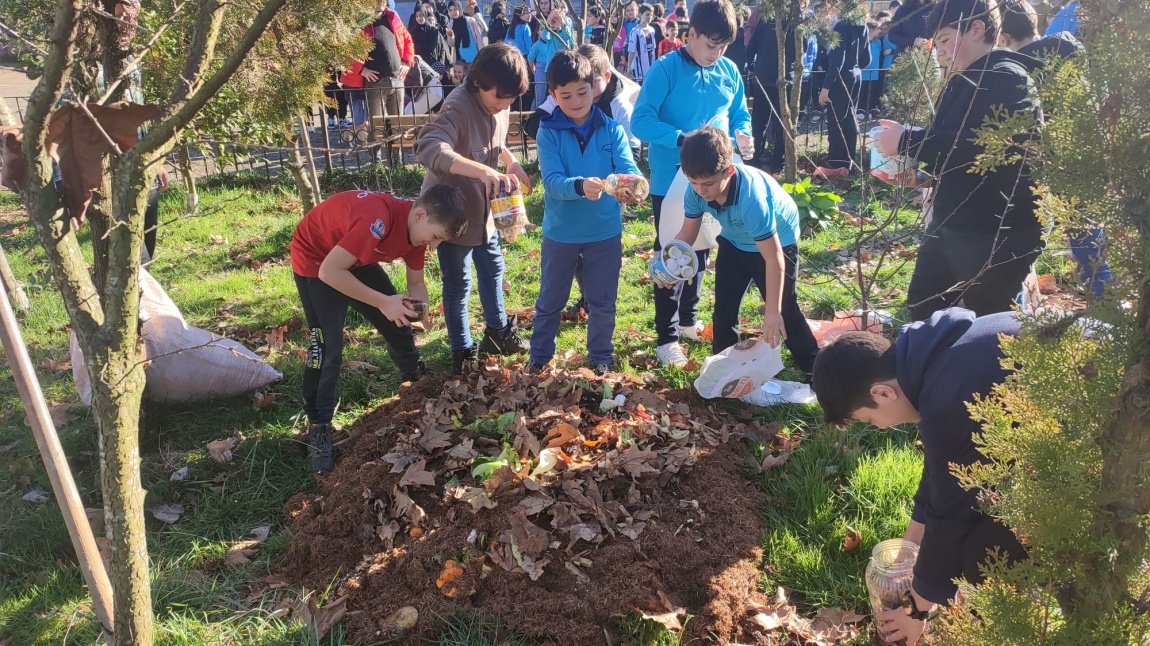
161, 137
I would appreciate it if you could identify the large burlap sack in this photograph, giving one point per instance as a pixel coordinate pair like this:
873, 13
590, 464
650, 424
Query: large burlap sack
671, 217
187, 364
739, 370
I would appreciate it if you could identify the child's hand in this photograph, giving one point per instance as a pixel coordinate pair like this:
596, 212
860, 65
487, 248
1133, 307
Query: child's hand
396, 311
592, 188
774, 330
494, 180
887, 139
516, 169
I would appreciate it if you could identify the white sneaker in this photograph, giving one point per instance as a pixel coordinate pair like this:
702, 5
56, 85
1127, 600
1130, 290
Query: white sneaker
671, 354
691, 333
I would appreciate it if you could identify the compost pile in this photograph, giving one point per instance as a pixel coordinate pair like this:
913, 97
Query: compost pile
557, 501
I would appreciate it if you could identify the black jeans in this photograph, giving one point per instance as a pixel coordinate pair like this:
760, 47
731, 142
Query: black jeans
765, 119
842, 124
735, 270
679, 306
984, 270
325, 309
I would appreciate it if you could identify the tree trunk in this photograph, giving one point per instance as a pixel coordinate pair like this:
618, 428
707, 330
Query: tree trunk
787, 12
295, 165
191, 193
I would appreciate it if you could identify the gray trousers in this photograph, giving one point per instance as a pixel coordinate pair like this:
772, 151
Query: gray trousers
384, 98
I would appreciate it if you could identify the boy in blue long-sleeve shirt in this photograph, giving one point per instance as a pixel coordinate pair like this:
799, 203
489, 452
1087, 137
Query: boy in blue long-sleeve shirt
685, 90
578, 147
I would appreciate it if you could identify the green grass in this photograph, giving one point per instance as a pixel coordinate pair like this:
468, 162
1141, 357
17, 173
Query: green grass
862, 478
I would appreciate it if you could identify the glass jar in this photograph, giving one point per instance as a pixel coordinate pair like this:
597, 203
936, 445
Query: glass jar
889, 574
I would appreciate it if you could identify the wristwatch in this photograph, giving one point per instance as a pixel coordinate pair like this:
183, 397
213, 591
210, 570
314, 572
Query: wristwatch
912, 610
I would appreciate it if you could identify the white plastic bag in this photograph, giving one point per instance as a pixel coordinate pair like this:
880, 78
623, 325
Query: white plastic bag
187, 364
739, 370
671, 217
775, 391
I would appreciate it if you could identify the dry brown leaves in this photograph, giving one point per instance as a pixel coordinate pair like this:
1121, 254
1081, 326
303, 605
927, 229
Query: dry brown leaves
828, 627
221, 450
57, 365
78, 144
60, 414
561, 488
851, 540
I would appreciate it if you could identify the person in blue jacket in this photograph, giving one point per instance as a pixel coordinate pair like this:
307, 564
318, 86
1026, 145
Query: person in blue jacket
579, 146
685, 90
881, 57
1065, 20
840, 91
519, 34
934, 369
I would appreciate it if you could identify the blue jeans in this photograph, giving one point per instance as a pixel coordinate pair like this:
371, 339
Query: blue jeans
358, 107
602, 261
540, 86
1086, 246
456, 270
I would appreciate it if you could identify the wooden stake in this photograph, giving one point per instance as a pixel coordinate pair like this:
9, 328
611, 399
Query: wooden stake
15, 291
63, 486
310, 160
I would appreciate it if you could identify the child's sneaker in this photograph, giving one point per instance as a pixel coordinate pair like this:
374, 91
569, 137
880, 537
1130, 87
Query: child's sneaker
461, 359
319, 448
691, 333
495, 342
671, 354
532, 368
603, 368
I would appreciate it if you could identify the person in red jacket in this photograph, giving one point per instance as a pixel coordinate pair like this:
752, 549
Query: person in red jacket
335, 254
391, 57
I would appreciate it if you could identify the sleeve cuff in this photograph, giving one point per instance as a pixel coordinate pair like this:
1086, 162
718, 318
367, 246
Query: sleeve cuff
693, 216
940, 594
579, 187
765, 237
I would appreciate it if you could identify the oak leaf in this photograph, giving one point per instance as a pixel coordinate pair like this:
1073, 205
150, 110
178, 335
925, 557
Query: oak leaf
241, 553
221, 450
417, 475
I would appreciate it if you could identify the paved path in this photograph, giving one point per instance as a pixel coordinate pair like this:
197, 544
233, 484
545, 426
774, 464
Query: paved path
13, 85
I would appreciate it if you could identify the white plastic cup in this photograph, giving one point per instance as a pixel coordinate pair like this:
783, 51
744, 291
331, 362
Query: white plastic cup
892, 170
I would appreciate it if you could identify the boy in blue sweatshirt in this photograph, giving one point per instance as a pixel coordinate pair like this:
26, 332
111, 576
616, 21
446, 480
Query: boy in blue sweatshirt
758, 245
683, 91
578, 147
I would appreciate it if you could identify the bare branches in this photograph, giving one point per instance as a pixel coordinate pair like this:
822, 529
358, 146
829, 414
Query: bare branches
15, 34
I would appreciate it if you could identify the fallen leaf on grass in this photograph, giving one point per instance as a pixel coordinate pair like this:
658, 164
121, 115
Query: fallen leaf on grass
168, 513
851, 540
273, 340
707, 333
57, 365
322, 620
249, 260
179, 475
241, 553
669, 619
260, 534
221, 450
560, 434
692, 365
265, 401
363, 365
60, 414
216, 239
36, 497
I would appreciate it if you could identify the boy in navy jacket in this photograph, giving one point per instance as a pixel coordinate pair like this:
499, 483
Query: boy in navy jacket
578, 147
933, 370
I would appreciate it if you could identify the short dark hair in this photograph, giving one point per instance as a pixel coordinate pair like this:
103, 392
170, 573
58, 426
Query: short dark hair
714, 19
595, 11
568, 66
1019, 20
500, 67
597, 56
659, 9
846, 369
960, 14
681, 12
706, 152
445, 206
645, 8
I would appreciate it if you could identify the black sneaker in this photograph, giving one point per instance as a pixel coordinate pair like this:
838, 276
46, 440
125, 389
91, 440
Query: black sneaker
463, 358
495, 343
576, 311
603, 368
532, 368
319, 448
416, 373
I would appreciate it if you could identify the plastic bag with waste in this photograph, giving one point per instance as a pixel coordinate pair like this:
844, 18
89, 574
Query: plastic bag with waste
780, 392
739, 370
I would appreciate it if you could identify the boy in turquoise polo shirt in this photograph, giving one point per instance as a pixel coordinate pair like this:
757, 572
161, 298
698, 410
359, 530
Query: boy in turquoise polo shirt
683, 91
758, 243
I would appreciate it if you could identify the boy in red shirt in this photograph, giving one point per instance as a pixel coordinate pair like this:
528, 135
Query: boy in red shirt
670, 40
335, 256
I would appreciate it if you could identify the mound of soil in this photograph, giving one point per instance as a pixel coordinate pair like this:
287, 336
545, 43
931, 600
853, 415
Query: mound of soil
638, 506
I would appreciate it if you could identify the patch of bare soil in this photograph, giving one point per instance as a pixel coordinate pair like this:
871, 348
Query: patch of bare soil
541, 500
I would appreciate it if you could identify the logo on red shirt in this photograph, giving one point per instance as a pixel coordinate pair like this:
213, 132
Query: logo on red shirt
378, 229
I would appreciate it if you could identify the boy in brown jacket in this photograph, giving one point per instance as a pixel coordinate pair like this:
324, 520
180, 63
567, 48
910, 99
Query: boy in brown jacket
463, 147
